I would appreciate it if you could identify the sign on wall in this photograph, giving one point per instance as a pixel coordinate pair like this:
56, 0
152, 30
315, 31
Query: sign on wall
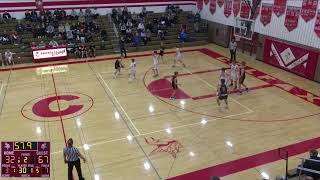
279, 7
266, 13
220, 2
236, 7
228, 8
317, 24
213, 6
295, 59
245, 9
292, 18
309, 9
49, 53
199, 5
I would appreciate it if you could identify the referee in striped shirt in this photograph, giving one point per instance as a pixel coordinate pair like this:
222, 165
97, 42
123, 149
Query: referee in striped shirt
71, 156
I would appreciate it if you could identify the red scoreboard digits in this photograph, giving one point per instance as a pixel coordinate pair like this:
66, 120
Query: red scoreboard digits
25, 159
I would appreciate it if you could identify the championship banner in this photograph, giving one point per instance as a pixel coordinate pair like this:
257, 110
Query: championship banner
39, 5
292, 18
220, 2
228, 8
309, 9
236, 7
199, 5
213, 6
291, 58
279, 7
266, 13
206, 2
245, 10
257, 12
317, 24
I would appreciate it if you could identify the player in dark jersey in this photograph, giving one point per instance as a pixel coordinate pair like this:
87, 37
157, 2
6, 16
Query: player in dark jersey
117, 67
174, 83
161, 53
242, 77
222, 93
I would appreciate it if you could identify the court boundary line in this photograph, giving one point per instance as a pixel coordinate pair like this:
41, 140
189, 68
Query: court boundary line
116, 100
161, 130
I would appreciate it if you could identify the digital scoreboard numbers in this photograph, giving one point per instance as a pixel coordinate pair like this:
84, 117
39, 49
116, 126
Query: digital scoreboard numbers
25, 159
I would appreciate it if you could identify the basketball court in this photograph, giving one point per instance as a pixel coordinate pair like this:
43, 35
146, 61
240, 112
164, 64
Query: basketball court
132, 130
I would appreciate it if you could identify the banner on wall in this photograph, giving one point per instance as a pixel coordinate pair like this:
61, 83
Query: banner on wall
257, 12
279, 7
292, 18
220, 2
228, 8
199, 5
236, 7
317, 24
245, 9
309, 9
266, 13
295, 59
206, 2
213, 5
39, 5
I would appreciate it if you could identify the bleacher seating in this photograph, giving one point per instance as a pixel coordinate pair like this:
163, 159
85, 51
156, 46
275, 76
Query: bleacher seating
24, 54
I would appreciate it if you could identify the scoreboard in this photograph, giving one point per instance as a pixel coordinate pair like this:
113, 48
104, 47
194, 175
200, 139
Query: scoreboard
25, 159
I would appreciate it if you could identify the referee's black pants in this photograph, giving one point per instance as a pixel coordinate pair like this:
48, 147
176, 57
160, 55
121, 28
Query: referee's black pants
77, 164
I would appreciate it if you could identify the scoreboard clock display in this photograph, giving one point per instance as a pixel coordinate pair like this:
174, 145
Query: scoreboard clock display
25, 159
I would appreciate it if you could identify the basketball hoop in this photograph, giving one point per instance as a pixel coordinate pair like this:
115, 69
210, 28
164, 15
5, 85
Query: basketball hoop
243, 28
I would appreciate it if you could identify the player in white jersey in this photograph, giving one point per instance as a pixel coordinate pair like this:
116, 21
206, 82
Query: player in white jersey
234, 71
224, 75
132, 70
155, 69
178, 57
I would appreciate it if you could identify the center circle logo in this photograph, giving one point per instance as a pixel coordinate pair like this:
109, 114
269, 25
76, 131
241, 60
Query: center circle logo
54, 107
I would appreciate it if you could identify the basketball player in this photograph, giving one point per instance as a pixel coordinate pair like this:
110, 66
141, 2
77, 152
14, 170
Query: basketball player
178, 57
224, 75
222, 93
155, 69
242, 77
161, 53
132, 70
234, 74
174, 83
117, 66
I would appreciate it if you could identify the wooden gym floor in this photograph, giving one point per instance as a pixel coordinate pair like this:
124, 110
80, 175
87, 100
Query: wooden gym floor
131, 130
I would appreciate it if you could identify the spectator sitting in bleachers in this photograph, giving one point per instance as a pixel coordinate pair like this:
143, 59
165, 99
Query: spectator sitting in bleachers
144, 11
63, 14
141, 27
53, 43
95, 13
87, 12
89, 36
143, 38
50, 31
83, 51
69, 36
6, 16
136, 40
27, 15
80, 13
34, 16
148, 35
15, 39
62, 30
20, 28
5, 38
128, 35
129, 24
33, 45
73, 15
